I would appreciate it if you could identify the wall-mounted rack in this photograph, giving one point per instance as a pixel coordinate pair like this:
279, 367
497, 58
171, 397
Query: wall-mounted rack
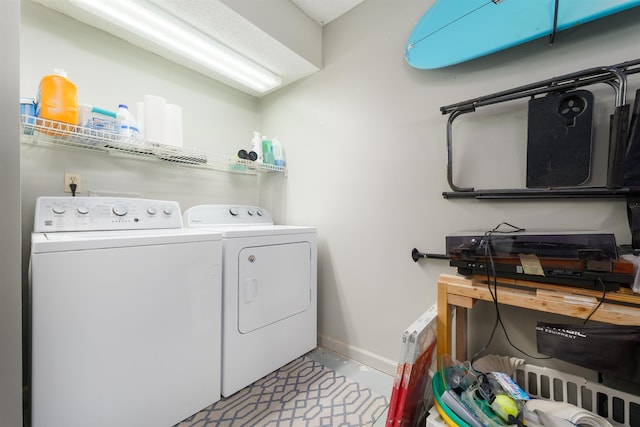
614, 76
48, 132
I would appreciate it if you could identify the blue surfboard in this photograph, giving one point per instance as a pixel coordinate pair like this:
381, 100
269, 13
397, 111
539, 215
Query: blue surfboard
454, 31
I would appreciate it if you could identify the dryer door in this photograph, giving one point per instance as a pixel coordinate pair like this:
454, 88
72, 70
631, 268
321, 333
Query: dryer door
274, 282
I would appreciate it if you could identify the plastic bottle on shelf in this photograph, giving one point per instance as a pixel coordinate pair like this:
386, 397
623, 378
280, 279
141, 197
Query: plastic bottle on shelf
235, 163
278, 154
127, 126
57, 99
256, 146
267, 153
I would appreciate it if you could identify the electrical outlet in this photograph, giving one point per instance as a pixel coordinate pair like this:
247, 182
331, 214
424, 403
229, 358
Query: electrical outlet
71, 178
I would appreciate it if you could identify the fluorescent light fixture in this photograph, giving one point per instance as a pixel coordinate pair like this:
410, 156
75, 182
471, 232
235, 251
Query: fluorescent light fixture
170, 33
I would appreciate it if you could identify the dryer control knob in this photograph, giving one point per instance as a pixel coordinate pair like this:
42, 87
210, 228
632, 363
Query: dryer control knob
58, 209
120, 210
83, 210
168, 210
151, 210
234, 211
251, 212
259, 212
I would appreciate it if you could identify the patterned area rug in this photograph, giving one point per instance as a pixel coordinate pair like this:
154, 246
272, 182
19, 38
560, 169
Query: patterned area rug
302, 393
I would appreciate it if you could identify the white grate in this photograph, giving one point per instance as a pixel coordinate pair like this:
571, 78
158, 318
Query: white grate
618, 407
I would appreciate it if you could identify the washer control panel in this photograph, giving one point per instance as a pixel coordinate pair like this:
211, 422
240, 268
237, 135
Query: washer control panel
226, 215
104, 213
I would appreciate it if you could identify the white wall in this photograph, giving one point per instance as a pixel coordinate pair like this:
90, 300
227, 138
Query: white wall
109, 71
366, 151
10, 289
365, 146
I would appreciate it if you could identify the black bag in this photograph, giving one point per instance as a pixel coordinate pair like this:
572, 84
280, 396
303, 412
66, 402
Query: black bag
632, 159
611, 349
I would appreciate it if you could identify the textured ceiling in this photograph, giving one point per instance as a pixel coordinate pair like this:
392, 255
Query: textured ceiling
241, 30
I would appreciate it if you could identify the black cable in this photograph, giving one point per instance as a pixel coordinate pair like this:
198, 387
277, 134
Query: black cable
484, 348
604, 294
73, 187
492, 277
552, 36
489, 255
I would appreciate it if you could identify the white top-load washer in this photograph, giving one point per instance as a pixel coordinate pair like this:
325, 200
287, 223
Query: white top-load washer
269, 279
125, 308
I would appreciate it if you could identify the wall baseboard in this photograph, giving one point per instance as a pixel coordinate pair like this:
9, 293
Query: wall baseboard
359, 354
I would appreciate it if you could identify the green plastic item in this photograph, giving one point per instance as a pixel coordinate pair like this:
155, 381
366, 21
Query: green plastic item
438, 388
267, 153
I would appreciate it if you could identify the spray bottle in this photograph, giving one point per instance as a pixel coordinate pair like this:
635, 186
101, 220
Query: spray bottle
256, 146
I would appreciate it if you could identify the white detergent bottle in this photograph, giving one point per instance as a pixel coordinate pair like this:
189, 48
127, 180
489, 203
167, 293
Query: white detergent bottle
278, 154
127, 127
256, 146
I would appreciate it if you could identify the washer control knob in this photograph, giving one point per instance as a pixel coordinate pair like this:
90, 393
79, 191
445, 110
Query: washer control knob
151, 210
58, 209
259, 211
120, 210
168, 210
234, 211
83, 210
251, 211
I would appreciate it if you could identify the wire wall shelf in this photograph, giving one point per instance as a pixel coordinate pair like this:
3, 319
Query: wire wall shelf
36, 131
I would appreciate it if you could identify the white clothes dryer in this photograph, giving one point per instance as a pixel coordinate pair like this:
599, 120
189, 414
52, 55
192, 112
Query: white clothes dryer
269, 290
125, 308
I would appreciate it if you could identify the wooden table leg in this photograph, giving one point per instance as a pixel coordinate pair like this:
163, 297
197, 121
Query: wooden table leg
444, 323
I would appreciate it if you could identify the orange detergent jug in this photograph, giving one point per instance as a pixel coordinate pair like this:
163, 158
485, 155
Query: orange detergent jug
57, 101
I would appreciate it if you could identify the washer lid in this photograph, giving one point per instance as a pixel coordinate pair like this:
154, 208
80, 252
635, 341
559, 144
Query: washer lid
85, 240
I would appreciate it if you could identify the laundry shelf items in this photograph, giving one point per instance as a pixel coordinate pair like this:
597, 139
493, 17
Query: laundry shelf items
36, 130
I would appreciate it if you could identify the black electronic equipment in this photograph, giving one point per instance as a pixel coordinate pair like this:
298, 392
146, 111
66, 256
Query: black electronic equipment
585, 259
563, 244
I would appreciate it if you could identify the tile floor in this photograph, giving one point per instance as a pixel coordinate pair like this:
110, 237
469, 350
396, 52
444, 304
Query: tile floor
377, 381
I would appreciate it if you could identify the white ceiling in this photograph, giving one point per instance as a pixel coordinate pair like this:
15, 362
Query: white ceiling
235, 24
325, 11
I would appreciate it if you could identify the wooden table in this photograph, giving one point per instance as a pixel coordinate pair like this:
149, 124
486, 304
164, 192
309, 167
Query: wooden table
458, 293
